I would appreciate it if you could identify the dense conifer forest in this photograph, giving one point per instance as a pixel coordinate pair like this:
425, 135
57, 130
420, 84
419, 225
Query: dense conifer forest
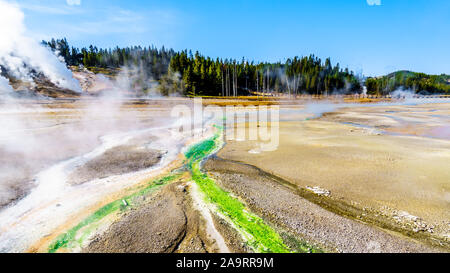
194, 74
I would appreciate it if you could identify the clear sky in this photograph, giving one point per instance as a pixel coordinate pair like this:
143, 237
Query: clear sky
370, 36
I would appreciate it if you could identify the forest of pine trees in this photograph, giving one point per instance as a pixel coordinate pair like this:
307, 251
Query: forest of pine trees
195, 74
205, 76
202, 75
150, 59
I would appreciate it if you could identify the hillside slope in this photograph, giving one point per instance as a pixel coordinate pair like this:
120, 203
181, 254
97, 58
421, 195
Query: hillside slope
418, 82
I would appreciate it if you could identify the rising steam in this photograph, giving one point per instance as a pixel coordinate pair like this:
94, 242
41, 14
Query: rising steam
5, 88
22, 56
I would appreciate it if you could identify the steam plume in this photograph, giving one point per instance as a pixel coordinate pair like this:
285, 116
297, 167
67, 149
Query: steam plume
21, 55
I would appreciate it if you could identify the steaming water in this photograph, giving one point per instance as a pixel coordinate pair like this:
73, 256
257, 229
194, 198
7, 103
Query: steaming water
21, 54
316, 110
54, 201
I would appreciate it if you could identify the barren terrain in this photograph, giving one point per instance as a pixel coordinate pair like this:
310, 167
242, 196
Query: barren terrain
118, 177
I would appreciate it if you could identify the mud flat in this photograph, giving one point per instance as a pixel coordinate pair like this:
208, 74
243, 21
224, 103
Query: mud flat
116, 161
37, 134
399, 182
168, 214
304, 220
74, 156
430, 120
165, 224
201, 216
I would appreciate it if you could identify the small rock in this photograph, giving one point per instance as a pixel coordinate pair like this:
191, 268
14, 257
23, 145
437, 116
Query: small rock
181, 188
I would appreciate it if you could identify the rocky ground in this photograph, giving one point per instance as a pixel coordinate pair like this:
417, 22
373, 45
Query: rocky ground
281, 205
163, 223
41, 87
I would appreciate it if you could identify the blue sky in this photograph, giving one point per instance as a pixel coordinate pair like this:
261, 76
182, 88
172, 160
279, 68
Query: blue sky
372, 39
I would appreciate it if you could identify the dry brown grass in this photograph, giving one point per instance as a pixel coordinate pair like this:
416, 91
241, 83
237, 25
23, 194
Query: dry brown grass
238, 103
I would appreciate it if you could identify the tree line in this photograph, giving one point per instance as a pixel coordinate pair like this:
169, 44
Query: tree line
417, 82
194, 74
205, 76
153, 61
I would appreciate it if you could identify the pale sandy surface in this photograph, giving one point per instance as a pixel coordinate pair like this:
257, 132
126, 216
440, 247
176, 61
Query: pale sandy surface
361, 164
290, 211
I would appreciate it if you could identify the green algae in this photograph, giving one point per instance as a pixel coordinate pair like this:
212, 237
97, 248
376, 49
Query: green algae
260, 236
79, 233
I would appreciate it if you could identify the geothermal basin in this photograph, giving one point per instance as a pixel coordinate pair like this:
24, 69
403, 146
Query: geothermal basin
114, 175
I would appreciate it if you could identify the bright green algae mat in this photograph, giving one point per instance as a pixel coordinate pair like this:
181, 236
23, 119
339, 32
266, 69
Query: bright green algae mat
74, 237
260, 236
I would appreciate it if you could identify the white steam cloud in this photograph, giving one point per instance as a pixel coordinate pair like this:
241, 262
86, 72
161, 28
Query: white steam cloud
73, 2
21, 55
403, 94
5, 88
374, 2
